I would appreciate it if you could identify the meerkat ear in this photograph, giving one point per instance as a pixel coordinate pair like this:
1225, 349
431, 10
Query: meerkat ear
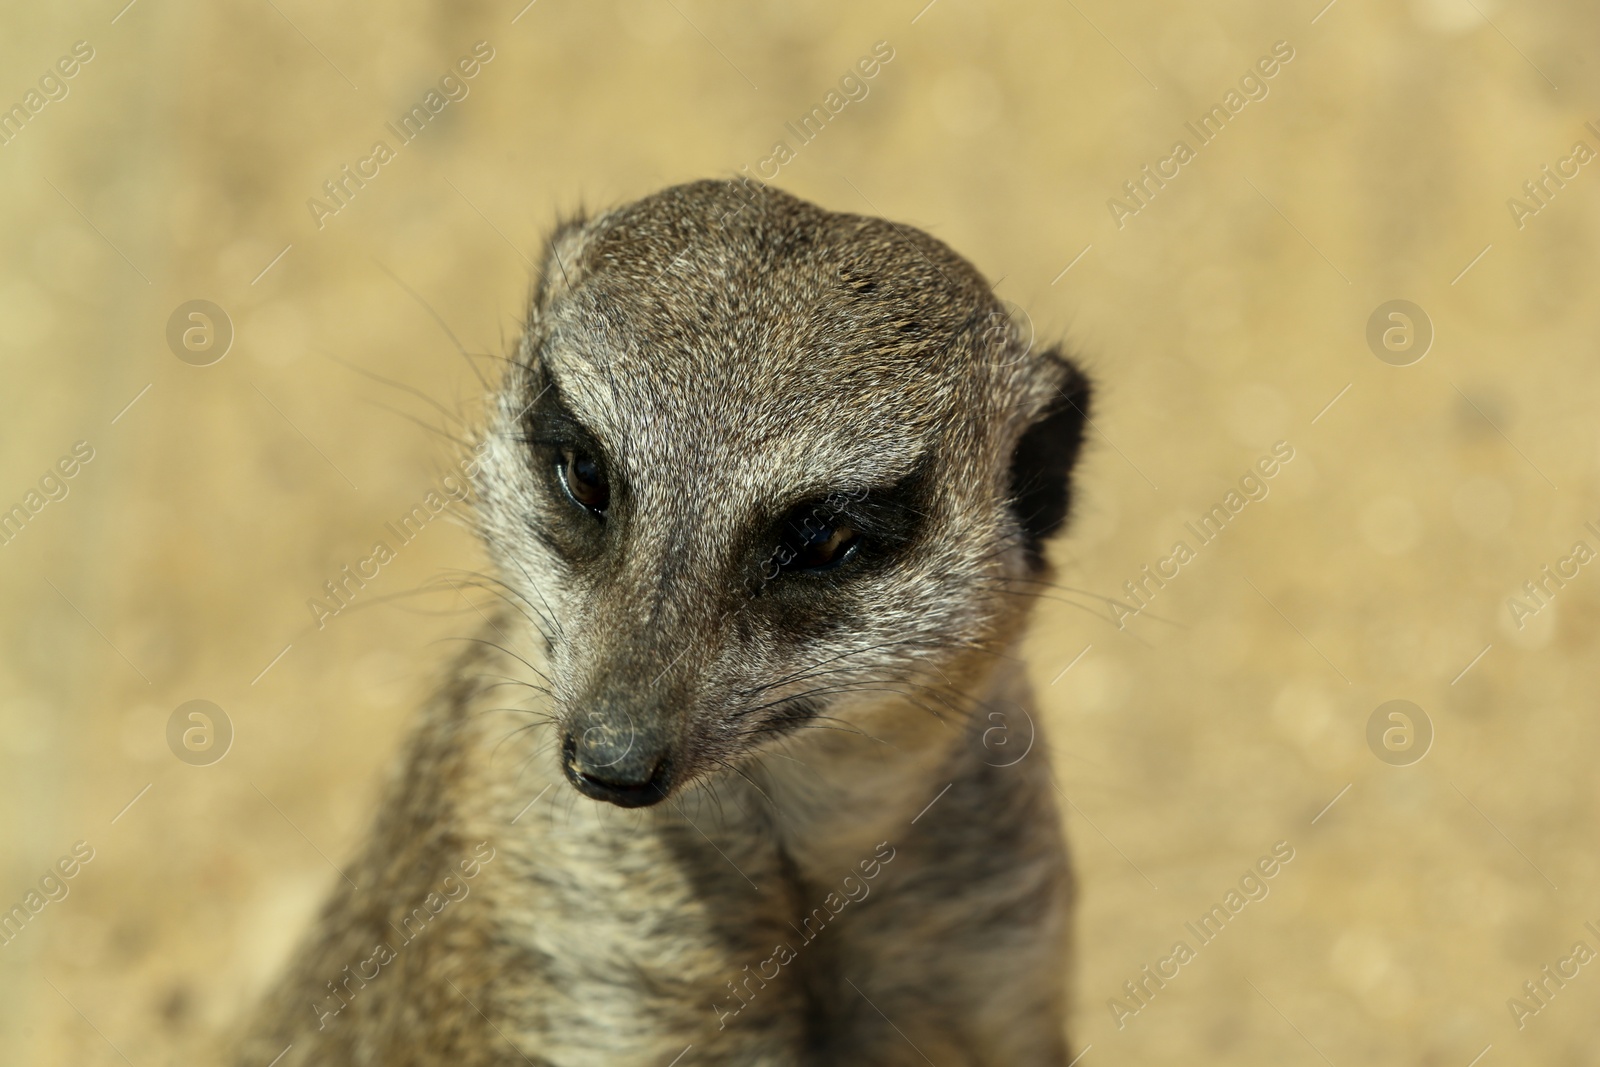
558, 263
1041, 466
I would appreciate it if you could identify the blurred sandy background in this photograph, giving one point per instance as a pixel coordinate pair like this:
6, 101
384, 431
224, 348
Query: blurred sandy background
1223, 317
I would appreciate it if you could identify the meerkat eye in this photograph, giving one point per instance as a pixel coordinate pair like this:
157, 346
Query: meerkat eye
818, 542
583, 479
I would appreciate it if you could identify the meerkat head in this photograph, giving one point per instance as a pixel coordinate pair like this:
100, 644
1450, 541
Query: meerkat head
756, 463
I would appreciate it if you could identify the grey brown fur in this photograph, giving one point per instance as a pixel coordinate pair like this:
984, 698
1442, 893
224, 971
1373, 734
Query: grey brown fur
728, 352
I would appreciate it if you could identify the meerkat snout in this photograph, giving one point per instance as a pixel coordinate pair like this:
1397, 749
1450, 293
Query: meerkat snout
756, 464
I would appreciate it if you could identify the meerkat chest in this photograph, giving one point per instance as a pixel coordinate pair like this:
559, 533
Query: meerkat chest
637, 937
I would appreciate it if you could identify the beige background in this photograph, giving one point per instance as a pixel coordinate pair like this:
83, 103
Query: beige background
1220, 319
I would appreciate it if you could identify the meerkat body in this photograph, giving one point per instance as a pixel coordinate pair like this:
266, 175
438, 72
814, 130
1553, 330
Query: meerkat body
767, 487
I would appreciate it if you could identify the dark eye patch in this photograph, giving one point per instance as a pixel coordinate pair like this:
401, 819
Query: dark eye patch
815, 539
573, 467
549, 422
846, 532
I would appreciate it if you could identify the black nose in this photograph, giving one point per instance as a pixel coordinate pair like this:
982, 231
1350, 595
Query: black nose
619, 769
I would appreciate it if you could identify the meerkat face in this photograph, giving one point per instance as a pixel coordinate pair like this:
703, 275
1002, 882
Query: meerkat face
757, 464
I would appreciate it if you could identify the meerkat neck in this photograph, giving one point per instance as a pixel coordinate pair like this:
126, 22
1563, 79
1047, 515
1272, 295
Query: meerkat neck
835, 793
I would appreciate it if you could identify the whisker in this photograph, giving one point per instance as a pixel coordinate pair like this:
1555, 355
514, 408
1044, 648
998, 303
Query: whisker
502, 648
482, 381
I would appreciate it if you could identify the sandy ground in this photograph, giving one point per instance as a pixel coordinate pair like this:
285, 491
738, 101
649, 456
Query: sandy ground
1224, 312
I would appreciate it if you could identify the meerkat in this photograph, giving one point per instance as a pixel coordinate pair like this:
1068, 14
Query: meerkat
767, 488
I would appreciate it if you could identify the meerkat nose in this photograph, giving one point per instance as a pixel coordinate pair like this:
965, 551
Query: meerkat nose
616, 766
